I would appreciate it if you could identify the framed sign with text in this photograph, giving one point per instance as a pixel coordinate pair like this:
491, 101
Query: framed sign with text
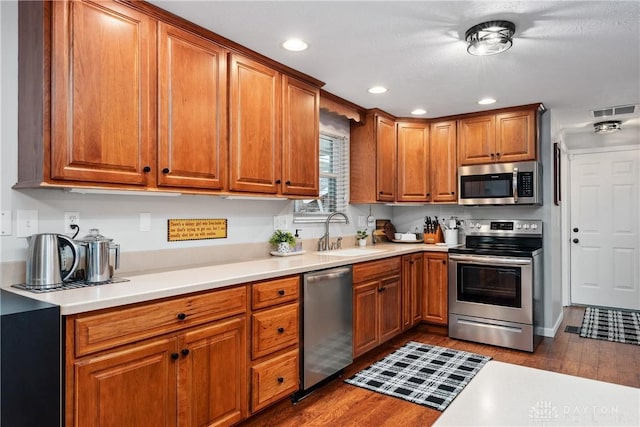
196, 229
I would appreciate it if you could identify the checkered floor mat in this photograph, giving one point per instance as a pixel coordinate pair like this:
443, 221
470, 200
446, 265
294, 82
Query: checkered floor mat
424, 374
611, 325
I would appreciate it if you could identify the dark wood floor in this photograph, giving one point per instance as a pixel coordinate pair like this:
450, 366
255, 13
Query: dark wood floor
340, 404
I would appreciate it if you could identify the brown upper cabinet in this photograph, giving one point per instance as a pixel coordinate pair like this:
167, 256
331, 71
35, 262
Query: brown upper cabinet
506, 136
102, 94
413, 162
192, 110
443, 162
128, 96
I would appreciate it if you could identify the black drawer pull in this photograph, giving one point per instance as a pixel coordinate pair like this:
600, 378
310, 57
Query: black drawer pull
280, 330
185, 352
280, 380
165, 170
278, 181
281, 292
181, 316
146, 169
175, 356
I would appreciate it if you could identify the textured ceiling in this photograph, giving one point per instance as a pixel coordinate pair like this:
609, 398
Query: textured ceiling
573, 56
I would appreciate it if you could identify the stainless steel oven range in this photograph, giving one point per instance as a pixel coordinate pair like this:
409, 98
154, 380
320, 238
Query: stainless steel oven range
495, 284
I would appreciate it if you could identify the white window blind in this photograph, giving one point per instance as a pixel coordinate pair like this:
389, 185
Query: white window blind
334, 182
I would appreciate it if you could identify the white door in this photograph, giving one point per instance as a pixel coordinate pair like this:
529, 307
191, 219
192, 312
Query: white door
605, 229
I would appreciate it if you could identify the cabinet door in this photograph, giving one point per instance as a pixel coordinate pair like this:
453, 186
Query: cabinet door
476, 140
386, 159
134, 387
365, 317
413, 162
192, 110
390, 308
103, 86
516, 136
212, 379
444, 160
435, 287
254, 126
300, 138
412, 278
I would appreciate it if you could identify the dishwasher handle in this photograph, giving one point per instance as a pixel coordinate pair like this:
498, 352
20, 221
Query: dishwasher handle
335, 273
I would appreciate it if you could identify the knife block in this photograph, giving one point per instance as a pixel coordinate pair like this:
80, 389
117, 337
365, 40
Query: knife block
433, 238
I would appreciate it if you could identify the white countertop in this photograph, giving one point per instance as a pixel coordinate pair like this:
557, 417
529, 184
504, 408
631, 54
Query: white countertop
147, 287
502, 394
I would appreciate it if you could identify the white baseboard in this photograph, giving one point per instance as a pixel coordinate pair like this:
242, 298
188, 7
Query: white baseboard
551, 332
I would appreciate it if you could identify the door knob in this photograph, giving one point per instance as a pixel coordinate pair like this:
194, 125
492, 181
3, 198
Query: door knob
576, 240
575, 230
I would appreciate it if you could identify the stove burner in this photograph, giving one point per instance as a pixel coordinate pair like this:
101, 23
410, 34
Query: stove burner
68, 285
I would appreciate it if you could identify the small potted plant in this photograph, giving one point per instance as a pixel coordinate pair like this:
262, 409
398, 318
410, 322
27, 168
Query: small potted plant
361, 237
283, 240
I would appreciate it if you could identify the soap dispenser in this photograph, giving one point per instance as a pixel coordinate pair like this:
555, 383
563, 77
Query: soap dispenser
298, 240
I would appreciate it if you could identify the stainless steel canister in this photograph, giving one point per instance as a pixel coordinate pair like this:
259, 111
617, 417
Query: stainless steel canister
97, 262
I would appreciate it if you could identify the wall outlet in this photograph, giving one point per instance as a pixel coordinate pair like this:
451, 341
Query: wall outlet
26, 223
5, 223
71, 218
145, 221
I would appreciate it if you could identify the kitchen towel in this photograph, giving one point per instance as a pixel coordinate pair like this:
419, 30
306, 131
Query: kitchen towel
420, 373
611, 325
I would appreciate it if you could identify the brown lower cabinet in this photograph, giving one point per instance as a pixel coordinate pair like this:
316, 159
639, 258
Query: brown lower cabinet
435, 288
412, 289
377, 303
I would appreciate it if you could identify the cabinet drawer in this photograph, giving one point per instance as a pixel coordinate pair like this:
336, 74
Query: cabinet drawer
115, 327
274, 379
266, 294
375, 269
274, 329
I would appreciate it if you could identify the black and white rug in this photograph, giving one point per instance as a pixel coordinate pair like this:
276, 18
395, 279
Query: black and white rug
611, 325
424, 374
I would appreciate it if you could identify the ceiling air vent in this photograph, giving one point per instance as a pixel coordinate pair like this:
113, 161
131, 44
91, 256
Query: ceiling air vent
614, 111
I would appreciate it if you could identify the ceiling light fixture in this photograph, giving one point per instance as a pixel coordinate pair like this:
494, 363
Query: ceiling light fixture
487, 101
419, 112
607, 126
377, 89
295, 45
490, 38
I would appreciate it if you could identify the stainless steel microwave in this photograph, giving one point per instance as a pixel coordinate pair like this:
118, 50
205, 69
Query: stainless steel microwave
517, 183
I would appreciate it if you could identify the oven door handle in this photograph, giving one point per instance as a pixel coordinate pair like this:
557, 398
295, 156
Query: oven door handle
491, 260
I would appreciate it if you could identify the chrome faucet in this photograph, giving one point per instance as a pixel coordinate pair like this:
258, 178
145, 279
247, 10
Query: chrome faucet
324, 242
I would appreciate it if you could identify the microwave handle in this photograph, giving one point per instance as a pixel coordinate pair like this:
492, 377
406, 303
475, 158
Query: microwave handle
514, 185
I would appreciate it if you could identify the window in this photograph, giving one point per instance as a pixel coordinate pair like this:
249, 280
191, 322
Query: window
334, 182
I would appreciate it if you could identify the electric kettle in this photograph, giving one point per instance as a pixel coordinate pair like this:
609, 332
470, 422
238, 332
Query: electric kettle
47, 260
95, 248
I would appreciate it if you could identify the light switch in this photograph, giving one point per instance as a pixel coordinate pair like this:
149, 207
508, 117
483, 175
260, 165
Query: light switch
145, 221
26, 223
5, 223
361, 221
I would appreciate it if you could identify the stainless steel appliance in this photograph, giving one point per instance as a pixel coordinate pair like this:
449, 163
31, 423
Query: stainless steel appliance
95, 256
495, 284
48, 264
327, 342
500, 184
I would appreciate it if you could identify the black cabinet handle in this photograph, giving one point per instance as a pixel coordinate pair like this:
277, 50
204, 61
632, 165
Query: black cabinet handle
381, 289
576, 240
453, 192
498, 154
278, 181
281, 292
428, 194
185, 352
288, 182
146, 169
492, 154
444, 261
575, 230
165, 170
280, 330
175, 356
280, 380
381, 192
181, 316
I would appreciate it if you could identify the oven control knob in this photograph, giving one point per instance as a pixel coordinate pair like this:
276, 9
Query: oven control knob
518, 226
534, 226
526, 226
478, 225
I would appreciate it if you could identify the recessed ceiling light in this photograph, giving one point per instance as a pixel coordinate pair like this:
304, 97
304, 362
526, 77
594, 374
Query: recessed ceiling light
295, 45
486, 101
419, 112
377, 89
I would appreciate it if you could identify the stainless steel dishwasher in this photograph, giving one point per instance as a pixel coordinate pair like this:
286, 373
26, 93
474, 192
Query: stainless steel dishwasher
327, 341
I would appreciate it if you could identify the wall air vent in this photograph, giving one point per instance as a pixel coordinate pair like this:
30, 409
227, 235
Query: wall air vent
614, 111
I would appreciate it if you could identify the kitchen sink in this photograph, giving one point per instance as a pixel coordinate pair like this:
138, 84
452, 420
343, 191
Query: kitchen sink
352, 252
